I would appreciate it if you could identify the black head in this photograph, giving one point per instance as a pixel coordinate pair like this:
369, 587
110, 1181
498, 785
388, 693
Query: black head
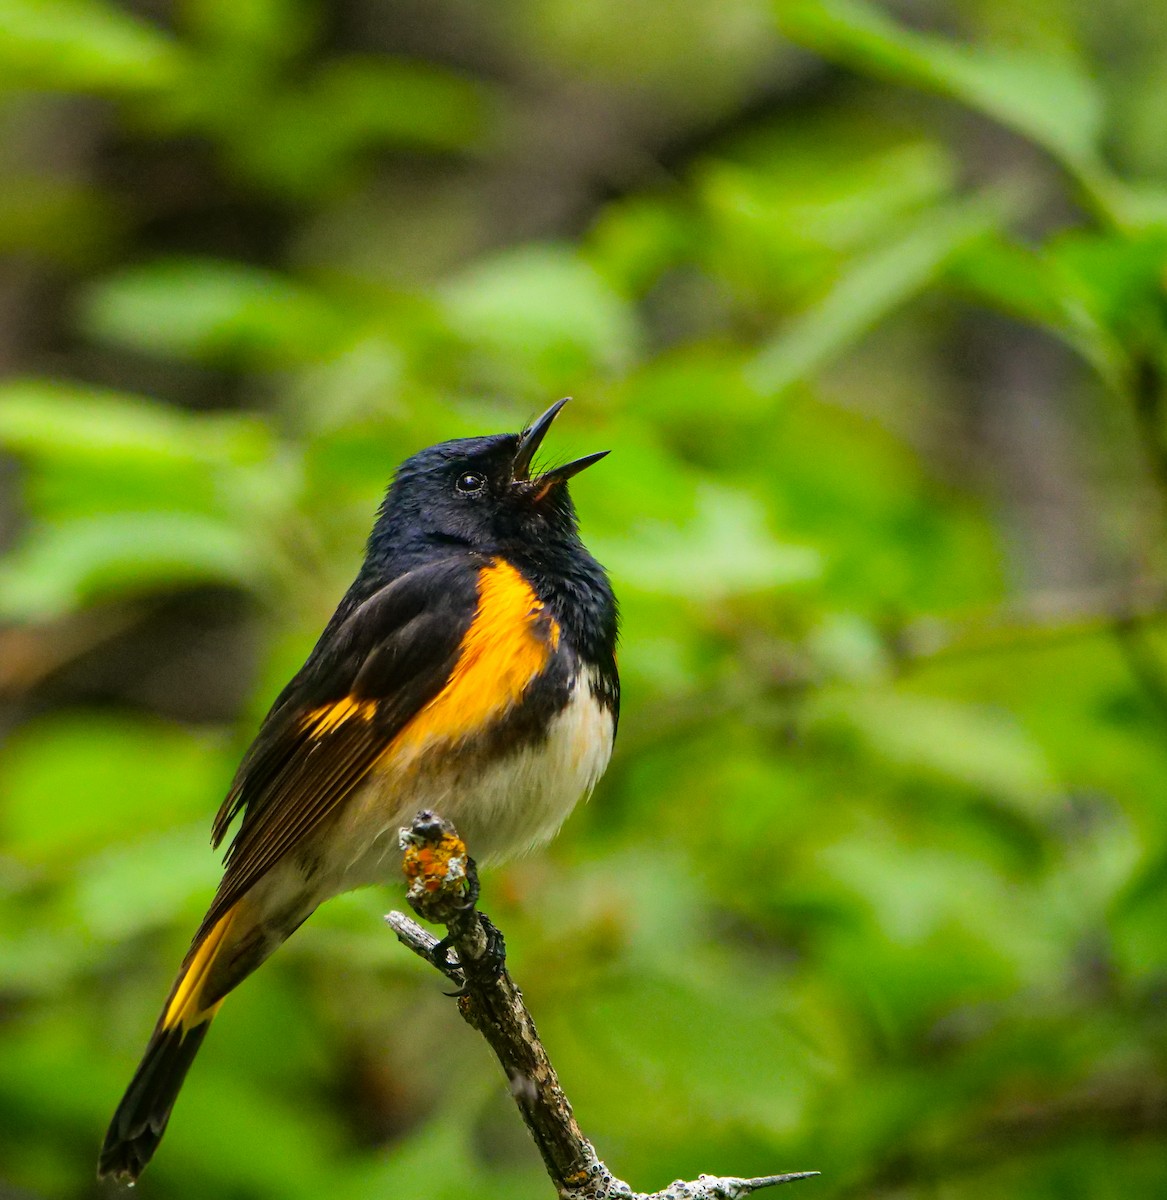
480, 494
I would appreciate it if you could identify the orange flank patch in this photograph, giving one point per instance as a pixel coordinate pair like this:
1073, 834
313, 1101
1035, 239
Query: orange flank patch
184, 1008
324, 720
506, 646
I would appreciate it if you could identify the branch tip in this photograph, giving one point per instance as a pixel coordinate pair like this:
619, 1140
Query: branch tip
443, 888
716, 1187
437, 867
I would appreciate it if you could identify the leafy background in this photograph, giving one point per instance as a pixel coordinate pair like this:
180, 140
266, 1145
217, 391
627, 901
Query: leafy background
869, 303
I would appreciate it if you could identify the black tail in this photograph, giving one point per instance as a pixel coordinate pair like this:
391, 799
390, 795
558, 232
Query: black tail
140, 1120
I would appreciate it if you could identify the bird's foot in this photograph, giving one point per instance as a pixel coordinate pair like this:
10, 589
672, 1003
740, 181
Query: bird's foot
491, 963
440, 956
486, 968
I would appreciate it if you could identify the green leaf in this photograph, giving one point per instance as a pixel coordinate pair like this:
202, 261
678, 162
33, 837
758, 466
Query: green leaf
780, 227
70, 564
148, 880
1014, 278
870, 288
305, 142
1028, 284
82, 45
76, 423
73, 785
541, 316
1119, 278
671, 1031
61, 222
725, 551
262, 30
1102, 293
959, 742
638, 238
215, 311
1049, 99
406, 103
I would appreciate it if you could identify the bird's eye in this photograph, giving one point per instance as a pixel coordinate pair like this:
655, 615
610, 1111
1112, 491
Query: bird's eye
470, 481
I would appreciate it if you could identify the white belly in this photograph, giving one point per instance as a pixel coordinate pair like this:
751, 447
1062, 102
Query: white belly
506, 807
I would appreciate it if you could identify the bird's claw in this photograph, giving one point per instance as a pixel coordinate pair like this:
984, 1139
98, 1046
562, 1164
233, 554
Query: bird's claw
491, 963
440, 956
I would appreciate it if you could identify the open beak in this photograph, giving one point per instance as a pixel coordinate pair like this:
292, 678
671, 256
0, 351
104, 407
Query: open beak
529, 442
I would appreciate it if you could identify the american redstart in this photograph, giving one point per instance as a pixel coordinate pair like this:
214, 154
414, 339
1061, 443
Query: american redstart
469, 669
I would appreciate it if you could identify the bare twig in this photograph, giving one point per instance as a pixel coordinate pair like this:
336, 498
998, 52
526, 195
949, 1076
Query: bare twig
443, 888
30, 653
1036, 620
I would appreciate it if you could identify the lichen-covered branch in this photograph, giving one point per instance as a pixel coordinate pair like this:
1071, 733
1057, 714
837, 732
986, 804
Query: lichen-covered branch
443, 888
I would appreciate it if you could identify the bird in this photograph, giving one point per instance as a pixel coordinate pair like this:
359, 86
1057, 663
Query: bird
470, 669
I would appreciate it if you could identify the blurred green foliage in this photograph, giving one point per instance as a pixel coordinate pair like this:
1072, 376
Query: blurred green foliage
876, 881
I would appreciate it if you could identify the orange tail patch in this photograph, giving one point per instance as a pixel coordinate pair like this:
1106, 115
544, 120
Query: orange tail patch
185, 1007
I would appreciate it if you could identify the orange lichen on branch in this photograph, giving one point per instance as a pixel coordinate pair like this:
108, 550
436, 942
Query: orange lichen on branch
436, 865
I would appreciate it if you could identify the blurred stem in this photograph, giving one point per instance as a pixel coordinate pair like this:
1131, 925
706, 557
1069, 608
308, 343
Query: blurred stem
30, 654
1038, 621
1041, 619
1148, 389
1147, 394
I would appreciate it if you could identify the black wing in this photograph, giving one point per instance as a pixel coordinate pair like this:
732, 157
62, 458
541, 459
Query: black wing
366, 678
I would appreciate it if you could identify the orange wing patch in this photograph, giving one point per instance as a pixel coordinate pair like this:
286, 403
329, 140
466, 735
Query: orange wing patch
324, 720
506, 646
